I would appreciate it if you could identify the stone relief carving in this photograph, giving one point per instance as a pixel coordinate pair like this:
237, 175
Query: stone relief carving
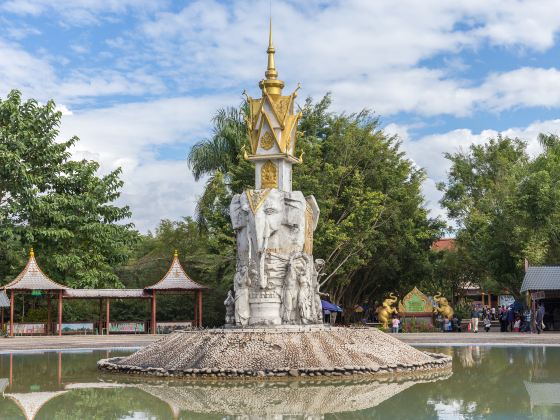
274, 231
242, 282
229, 303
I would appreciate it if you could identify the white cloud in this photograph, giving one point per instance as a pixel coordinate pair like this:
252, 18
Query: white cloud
128, 136
524, 87
77, 12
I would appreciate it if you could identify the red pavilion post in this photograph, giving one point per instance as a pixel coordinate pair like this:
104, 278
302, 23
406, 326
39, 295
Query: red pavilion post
154, 311
195, 310
200, 308
11, 313
108, 316
48, 313
60, 313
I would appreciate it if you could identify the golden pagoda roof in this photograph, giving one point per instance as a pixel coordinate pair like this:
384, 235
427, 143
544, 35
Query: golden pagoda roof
33, 278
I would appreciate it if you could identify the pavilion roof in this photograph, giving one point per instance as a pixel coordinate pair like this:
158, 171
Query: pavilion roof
32, 278
541, 278
176, 279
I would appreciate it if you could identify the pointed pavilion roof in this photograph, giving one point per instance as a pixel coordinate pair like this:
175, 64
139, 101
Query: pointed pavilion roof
32, 402
176, 279
32, 278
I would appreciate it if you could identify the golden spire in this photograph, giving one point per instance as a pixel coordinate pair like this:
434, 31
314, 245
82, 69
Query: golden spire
176, 254
31, 252
271, 84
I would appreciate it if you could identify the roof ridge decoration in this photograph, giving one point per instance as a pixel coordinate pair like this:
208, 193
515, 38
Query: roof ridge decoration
176, 278
33, 278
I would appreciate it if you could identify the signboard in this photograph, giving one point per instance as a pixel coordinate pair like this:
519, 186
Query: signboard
127, 327
505, 300
415, 302
538, 295
168, 327
76, 328
28, 329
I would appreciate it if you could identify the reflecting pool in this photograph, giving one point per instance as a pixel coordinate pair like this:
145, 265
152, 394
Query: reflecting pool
486, 382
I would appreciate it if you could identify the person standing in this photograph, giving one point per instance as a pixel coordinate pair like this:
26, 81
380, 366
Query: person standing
487, 322
539, 318
503, 319
395, 324
493, 313
475, 314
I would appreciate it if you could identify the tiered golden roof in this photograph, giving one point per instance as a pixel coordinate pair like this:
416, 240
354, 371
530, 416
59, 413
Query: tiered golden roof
272, 123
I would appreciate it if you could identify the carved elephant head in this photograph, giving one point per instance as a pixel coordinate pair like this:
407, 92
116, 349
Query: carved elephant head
275, 219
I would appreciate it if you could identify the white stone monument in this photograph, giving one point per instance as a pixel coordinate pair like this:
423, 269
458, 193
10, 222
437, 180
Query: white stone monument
276, 281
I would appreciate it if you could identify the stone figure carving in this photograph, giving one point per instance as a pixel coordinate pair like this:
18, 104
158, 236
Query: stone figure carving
290, 295
443, 307
305, 298
229, 303
318, 268
242, 282
386, 310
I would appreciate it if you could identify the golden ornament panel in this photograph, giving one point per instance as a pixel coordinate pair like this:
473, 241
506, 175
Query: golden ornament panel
269, 175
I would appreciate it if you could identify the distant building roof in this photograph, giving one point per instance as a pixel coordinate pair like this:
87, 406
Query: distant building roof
32, 278
541, 278
105, 293
4, 300
176, 279
444, 244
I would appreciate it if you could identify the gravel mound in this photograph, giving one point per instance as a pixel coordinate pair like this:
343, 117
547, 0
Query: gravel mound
276, 352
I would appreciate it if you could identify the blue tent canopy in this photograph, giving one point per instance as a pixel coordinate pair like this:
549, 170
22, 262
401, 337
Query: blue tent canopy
331, 307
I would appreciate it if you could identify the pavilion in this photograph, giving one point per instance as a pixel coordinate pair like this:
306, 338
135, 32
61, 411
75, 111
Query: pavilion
33, 280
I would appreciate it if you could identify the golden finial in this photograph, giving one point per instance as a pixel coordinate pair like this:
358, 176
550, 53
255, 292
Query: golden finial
271, 83
176, 254
31, 252
270, 72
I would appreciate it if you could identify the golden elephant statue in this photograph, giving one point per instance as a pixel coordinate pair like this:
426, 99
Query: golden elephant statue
443, 307
386, 310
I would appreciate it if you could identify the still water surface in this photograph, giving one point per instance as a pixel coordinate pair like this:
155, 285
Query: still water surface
496, 383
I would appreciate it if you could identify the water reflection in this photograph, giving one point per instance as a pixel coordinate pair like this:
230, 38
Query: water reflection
507, 382
66, 394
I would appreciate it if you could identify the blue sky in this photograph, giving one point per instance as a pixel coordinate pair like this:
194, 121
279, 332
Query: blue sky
139, 80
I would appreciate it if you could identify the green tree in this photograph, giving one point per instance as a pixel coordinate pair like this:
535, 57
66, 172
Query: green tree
58, 205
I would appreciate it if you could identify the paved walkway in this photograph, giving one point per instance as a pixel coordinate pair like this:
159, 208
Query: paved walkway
76, 342
140, 340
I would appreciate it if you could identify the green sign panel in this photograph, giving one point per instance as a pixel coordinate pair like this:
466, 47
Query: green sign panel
414, 304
